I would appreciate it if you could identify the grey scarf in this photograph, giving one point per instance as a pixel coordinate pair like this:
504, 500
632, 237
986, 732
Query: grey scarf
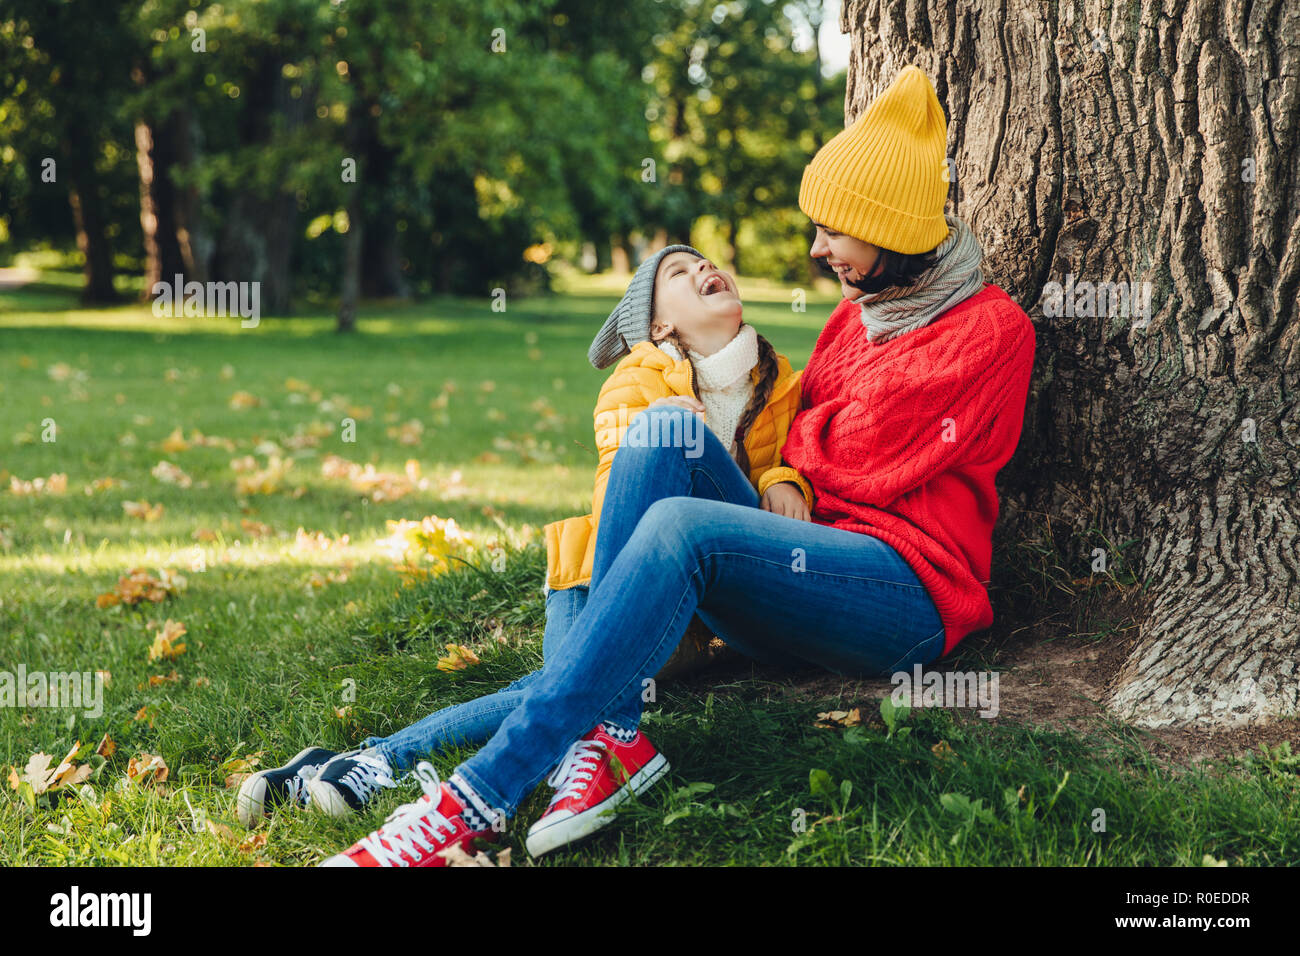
955, 276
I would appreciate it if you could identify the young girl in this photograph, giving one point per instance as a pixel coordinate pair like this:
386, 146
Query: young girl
680, 327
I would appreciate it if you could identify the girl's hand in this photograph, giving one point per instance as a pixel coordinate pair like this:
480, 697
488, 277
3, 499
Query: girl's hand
785, 498
688, 402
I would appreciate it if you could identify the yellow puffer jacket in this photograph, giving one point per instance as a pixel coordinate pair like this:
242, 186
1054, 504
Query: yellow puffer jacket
642, 377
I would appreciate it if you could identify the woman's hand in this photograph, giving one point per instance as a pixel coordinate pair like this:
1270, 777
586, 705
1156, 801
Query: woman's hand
785, 498
688, 402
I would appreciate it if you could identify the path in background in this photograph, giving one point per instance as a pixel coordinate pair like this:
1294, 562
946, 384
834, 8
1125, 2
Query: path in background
15, 278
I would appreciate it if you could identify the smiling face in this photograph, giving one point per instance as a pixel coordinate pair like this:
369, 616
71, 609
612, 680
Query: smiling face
697, 302
849, 258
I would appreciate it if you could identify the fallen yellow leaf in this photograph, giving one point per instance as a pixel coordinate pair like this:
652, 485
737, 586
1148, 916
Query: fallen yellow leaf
147, 769
164, 645
458, 658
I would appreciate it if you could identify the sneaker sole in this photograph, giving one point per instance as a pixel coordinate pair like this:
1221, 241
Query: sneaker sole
562, 832
250, 802
327, 800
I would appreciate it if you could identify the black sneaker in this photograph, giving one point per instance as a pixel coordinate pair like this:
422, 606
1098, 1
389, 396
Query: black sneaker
348, 782
267, 789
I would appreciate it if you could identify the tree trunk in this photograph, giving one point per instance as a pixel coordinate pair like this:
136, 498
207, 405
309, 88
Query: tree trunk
604, 252
192, 235
89, 219
622, 256
154, 156
353, 244
1151, 141
381, 273
261, 223
733, 245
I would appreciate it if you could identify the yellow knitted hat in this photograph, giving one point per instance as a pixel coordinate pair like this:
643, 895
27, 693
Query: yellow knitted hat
883, 180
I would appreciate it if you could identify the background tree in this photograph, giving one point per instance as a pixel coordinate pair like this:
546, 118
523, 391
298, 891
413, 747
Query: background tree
61, 102
739, 111
1157, 143
209, 139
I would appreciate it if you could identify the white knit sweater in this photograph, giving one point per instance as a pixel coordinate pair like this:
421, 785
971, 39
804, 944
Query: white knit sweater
723, 378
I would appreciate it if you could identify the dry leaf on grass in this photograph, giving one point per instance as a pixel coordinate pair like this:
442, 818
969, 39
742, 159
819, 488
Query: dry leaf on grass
311, 542
165, 646
147, 769
222, 832
171, 474
174, 443
38, 774
458, 658
243, 764
456, 856
426, 547
255, 529
139, 585
56, 484
379, 486
264, 481
839, 718
318, 580
142, 510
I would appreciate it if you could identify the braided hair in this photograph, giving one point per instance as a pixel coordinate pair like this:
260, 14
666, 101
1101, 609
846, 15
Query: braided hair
767, 373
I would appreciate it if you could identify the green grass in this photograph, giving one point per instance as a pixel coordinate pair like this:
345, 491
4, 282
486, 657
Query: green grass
270, 656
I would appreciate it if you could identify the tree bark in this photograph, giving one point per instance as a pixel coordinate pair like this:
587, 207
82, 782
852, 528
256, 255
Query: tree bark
192, 234
261, 223
1152, 141
353, 245
158, 207
89, 219
733, 245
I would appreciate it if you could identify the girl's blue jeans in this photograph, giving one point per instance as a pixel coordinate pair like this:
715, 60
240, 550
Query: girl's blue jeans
681, 532
474, 721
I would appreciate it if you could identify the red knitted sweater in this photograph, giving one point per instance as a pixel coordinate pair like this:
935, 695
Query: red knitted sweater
902, 440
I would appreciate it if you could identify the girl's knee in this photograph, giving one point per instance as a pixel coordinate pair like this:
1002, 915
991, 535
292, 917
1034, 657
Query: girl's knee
660, 431
678, 524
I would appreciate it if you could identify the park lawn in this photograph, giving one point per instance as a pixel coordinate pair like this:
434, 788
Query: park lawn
295, 640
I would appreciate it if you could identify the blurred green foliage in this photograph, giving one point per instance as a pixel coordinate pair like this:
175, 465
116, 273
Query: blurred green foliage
489, 138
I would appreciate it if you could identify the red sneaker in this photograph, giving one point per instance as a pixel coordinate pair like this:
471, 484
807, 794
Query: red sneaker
598, 773
416, 833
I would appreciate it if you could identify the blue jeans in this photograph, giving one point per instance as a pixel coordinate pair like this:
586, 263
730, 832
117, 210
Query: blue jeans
474, 721
681, 533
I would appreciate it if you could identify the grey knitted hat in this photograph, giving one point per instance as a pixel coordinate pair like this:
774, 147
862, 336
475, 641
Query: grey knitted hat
629, 323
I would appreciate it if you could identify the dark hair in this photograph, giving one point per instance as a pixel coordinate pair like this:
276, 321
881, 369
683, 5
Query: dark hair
767, 373
896, 269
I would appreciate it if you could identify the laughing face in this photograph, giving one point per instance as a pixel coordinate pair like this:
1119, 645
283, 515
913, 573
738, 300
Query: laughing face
852, 260
697, 302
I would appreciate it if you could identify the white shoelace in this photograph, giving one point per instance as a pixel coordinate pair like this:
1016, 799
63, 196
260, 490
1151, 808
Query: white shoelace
367, 777
576, 770
415, 826
297, 785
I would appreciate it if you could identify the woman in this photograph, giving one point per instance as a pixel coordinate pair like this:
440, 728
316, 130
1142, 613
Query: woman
911, 402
